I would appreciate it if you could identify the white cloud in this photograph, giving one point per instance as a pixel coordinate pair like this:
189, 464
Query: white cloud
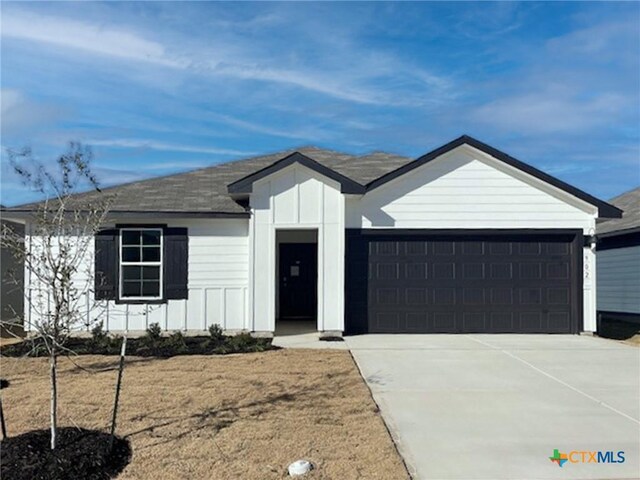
348, 75
176, 165
254, 23
603, 38
10, 99
548, 112
572, 168
482, 21
276, 132
94, 38
19, 114
112, 176
162, 146
581, 82
321, 83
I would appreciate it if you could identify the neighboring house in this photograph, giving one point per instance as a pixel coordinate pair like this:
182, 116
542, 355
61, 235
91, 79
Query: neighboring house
11, 287
618, 260
463, 239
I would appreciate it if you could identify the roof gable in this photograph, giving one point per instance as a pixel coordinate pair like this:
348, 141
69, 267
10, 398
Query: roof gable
245, 184
604, 209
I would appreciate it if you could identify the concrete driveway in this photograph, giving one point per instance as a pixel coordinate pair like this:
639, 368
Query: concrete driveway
496, 406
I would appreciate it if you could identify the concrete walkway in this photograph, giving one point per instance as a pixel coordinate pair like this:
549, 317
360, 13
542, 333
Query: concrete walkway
302, 334
306, 340
496, 406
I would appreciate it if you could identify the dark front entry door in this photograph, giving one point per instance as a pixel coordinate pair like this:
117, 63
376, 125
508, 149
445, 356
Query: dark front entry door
298, 280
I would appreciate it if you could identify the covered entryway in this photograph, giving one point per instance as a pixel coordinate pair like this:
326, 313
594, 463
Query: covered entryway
297, 281
418, 281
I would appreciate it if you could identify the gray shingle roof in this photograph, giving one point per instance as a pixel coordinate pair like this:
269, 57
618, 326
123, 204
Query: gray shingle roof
205, 190
629, 202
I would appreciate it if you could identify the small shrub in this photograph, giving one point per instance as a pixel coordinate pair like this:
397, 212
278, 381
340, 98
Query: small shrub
175, 344
100, 343
216, 334
114, 345
152, 339
98, 334
242, 342
154, 332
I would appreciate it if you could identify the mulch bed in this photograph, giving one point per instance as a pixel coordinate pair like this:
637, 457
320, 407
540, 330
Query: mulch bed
614, 329
147, 346
80, 454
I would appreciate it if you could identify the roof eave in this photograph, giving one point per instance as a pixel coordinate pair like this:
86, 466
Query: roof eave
22, 214
617, 233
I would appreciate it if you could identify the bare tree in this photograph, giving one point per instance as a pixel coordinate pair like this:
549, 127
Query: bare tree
57, 251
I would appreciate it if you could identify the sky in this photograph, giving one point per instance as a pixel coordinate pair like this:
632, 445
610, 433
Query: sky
159, 88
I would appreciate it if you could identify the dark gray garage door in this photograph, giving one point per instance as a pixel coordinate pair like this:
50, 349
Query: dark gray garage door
463, 282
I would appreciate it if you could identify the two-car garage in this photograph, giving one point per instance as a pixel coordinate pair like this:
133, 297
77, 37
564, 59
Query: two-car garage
467, 281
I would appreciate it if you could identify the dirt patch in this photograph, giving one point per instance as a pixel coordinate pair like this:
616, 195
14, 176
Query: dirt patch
239, 416
628, 332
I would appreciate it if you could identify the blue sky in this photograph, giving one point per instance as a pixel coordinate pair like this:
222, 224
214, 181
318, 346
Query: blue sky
164, 87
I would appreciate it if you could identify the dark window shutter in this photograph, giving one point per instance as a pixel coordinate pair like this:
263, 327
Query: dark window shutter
106, 265
176, 259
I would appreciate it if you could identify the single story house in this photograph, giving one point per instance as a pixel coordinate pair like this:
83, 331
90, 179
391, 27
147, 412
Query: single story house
462, 239
618, 260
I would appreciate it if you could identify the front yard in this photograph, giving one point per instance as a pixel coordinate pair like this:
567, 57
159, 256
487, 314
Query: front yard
218, 417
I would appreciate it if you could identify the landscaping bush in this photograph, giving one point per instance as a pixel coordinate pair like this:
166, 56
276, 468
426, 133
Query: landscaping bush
242, 343
152, 344
216, 334
98, 334
172, 345
152, 339
101, 342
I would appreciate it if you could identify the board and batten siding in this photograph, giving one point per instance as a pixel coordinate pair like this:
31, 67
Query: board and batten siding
297, 198
217, 283
619, 280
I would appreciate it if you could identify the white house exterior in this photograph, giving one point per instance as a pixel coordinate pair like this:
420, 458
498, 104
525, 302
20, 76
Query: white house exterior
618, 261
463, 239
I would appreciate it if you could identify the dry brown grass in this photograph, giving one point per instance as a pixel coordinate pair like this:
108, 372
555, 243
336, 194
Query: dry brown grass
219, 417
10, 340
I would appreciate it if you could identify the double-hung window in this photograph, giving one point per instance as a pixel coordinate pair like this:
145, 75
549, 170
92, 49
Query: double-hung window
141, 263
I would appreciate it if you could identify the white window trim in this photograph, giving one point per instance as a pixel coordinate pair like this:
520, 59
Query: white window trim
141, 264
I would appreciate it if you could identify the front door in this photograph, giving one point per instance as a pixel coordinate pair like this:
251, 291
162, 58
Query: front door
298, 280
